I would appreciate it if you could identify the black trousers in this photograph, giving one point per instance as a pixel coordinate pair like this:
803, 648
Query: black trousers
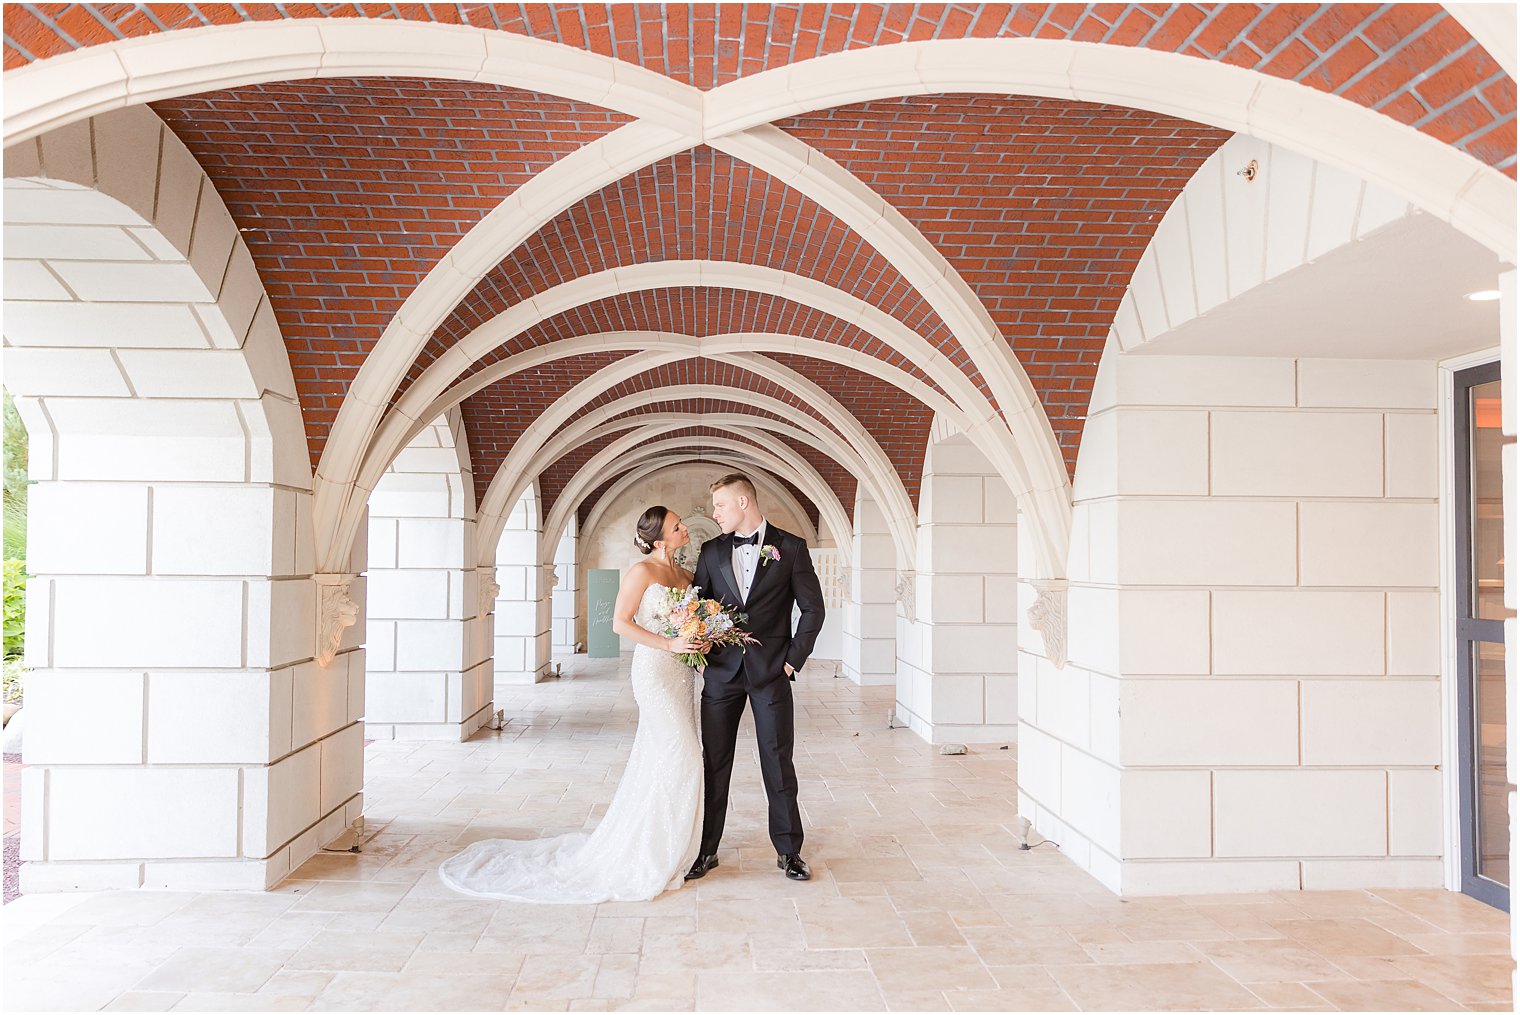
771, 705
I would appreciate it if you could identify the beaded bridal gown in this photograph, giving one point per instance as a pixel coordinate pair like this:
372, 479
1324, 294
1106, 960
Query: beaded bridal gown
650, 834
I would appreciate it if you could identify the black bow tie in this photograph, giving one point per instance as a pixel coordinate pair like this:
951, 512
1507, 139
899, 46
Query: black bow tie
747, 540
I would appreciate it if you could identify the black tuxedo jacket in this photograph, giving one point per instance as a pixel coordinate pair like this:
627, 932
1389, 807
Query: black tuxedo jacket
777, 586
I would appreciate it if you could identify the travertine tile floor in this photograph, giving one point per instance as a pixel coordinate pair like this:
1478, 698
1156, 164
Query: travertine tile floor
920, 900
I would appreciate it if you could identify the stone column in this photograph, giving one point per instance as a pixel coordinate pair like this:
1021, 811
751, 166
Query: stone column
523, 607
430, 672
957, 678
870, 612
563, 610
194, 702
1253, 697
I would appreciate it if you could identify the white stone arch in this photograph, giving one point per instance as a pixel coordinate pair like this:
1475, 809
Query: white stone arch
1021, 433
712, 347
171, 534
518, 465
870, 470
771, 490
428, 672
1225, 235
636, 446
931, 274
60, 90
398, 426
986, 430
598, 424
1475, 198
658, 424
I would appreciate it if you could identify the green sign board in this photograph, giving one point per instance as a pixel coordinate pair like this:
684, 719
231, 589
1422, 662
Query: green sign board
602, 642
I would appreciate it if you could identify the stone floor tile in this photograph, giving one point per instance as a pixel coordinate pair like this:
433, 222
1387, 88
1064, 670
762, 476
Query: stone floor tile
789, 991
413, 992
1265, 961
934, 968
916, 1000
207, 970
1382, 995
243, 1002
144, 1000
349, 952
1037, 999
1464, 978
1149, 987
1349, 936
852, 923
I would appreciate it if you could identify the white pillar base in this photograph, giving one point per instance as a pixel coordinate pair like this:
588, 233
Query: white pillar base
207, 875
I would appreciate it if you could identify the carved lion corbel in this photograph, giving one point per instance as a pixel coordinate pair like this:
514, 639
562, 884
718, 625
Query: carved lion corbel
905, 595
490, 588
1048, 616
336, 611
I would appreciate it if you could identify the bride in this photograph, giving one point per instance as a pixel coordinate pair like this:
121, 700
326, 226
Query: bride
650, 834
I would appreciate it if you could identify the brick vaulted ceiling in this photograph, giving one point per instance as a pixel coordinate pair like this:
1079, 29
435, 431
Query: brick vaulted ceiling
349, 191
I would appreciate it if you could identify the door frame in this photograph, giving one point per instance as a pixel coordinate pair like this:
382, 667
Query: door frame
1459, 635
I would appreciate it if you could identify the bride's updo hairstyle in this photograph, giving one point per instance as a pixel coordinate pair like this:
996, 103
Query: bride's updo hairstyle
651, 527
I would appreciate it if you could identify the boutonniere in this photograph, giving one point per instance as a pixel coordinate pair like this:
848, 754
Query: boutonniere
768, 553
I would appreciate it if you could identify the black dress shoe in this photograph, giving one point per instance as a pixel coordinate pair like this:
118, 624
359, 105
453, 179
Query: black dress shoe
701, 867
796, 868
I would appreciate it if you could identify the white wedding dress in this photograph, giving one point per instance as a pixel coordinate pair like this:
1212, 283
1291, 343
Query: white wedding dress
649, 837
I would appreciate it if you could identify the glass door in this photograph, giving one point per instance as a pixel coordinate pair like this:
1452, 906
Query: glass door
1480, 637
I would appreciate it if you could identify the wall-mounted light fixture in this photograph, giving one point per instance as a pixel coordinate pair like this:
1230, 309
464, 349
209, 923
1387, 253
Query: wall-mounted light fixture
1484, 295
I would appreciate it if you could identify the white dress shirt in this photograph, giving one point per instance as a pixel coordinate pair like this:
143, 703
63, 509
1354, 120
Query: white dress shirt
747, 559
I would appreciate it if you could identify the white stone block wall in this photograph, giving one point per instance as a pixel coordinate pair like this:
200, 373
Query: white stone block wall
430, 674
869, 635
957, 630
180, 733
563, 616
524, 607
1253, 695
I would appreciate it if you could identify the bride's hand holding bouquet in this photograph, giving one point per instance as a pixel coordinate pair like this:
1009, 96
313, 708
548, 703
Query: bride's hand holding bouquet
696, 625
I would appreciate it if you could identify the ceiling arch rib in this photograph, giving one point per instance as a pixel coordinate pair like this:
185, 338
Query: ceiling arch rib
122, 55
344, 223
702, 205
867, 435
698, 436
595, 505
579, 435
999, 447
634, 447
396, 430
523, 461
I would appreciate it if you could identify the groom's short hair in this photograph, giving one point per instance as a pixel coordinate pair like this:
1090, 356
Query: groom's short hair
739, 480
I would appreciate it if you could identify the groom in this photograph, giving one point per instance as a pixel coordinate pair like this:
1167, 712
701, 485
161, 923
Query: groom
762, 571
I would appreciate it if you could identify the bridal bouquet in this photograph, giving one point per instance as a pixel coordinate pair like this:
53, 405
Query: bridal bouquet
683, 613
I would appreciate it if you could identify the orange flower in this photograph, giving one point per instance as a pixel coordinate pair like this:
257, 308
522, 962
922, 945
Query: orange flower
713, 607
691, 629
